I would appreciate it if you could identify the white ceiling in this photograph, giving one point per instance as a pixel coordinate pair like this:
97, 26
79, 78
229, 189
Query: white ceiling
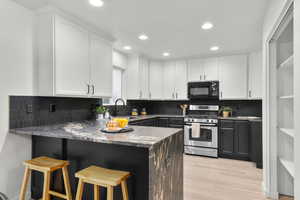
173, 25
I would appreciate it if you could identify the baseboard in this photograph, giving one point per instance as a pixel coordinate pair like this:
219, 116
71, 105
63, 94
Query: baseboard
27, 196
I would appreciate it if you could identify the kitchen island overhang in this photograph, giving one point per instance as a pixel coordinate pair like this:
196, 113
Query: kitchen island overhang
154, 156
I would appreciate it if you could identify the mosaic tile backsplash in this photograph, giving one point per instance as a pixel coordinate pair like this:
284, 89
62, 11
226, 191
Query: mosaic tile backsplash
38, 111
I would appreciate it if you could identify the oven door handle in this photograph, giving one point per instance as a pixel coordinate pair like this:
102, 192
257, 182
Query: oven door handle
201, 124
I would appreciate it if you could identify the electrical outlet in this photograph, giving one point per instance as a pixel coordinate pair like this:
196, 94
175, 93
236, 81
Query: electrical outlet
29, 108
52, 108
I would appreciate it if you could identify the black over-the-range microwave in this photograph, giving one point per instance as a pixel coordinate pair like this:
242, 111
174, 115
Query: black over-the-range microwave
203, 90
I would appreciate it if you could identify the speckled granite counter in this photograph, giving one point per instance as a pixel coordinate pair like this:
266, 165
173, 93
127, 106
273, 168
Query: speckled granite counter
154, 157
242, 118
90, 131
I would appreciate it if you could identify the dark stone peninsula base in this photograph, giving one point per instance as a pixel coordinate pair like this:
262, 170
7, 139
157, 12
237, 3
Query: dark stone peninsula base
156, 166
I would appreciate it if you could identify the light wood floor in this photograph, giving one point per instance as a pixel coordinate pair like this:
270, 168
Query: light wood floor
221, 179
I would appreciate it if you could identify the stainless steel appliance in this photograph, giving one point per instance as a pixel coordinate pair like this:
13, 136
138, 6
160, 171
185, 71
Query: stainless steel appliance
203, 90
201, 130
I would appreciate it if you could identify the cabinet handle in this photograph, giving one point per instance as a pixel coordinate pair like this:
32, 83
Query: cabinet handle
176, 95
221, 94
250, 93
173, 97
204, 77
88, 89
141, 94
93, 86
150, 95
200, 77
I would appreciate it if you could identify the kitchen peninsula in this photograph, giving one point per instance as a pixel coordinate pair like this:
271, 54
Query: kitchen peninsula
154, 157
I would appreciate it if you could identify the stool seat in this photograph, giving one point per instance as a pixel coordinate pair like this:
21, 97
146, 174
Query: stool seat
45, 164
101, 176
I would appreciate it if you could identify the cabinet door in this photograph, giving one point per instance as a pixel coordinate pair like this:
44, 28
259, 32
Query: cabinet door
227, 141
156, 80
195, 70
242, 139
72, 66
211, 69
169, 72
181, 80
131, 77
255, 75
144, 78
101, 67
233, 77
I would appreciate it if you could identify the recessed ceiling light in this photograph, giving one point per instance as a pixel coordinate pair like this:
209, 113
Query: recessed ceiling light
166, 54
96, 3
143, 37
207, 26
127, 47
214, 48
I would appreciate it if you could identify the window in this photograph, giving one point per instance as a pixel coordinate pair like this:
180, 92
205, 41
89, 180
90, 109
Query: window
117, 79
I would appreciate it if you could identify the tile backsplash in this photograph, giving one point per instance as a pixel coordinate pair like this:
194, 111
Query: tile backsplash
37, 111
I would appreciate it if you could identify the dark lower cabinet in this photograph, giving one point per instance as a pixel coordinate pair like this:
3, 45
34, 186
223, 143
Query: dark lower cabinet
256, 143
234, 139
242, 139
227, 141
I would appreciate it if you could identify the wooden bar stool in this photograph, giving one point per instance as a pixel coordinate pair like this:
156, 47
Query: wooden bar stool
46, 165
102, 177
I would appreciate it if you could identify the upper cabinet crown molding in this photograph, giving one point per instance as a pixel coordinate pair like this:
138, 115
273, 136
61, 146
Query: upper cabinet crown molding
72, 60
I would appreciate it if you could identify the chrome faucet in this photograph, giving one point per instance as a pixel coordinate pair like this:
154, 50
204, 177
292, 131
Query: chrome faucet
116, 105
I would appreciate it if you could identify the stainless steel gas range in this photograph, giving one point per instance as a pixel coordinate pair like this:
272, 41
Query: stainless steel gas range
201, 130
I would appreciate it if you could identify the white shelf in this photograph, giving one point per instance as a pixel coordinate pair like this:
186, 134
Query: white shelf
288, 131
289, 166
287, 63
287, 97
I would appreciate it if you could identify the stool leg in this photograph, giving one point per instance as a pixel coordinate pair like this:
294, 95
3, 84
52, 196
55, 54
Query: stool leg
67, 183
124, 190
24, 183
79, 190
96, 192
46, 195
110, 193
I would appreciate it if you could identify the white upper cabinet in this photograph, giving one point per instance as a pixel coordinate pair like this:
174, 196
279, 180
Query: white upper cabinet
203, 69
255, 75
156, 80
196, 70
181, 80
175, 80
211, 69
144, 78
72, 61
169, 72
120, 60
101, 67
137, 78
233, 77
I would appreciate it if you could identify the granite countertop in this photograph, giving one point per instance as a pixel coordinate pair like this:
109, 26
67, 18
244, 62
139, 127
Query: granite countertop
145, 117
90, 131
242, 118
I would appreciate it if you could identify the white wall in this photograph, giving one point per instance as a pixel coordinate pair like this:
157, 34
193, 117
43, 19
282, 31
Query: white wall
274, 11
16, 78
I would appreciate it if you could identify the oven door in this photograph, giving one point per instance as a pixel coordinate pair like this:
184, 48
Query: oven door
207, 137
